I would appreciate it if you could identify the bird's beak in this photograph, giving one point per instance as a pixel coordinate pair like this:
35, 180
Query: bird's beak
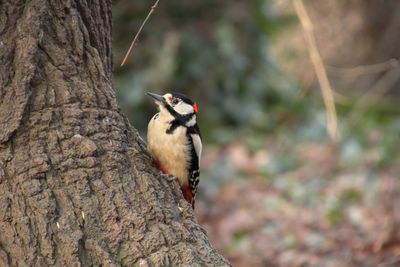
158, 98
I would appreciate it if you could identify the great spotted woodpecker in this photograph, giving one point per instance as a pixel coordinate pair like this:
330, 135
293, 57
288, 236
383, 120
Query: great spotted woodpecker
174, 140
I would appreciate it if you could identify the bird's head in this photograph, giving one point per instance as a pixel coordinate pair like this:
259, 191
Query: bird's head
175, 102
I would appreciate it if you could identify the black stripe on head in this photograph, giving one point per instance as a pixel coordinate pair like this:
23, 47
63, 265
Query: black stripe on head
183, 97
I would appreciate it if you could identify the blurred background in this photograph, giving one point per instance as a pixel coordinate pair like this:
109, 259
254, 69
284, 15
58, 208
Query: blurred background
278, 189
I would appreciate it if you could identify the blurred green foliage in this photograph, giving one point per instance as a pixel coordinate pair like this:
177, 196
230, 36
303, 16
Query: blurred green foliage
218, 53
215, 52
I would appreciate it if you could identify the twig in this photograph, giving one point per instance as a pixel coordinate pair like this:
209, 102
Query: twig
390, 262
139, 31
382, 86
365, 69
320, 71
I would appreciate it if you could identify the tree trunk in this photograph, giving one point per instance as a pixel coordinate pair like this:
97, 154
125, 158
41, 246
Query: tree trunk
77, 186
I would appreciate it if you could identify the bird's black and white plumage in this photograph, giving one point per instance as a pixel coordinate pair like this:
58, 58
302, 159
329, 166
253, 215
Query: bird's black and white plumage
174, 140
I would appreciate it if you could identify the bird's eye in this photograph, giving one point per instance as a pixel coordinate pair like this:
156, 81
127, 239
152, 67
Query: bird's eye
175, 101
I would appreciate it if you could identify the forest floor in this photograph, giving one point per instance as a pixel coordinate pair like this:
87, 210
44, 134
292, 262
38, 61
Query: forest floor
303, 205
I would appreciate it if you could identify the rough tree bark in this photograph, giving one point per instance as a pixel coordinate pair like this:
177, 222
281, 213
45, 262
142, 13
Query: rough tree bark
77, 187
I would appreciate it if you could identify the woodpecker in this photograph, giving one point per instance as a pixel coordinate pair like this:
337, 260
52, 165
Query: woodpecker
174, 140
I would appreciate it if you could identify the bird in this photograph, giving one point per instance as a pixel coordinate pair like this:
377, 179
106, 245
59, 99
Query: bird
174, 140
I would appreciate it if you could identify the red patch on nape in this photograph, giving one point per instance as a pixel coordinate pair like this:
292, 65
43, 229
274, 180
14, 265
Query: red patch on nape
187, 194
195, 107
161, 167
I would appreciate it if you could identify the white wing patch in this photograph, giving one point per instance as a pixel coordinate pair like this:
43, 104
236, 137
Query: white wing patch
197, 145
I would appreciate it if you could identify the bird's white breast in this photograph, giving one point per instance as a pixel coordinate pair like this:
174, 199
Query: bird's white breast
171, 150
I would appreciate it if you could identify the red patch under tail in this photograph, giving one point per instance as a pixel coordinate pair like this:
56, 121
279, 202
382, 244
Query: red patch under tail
187, 194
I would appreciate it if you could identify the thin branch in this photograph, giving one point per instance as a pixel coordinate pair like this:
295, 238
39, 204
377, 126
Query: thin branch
320, 71
390, 262
372, 96
365, 69
139, 31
